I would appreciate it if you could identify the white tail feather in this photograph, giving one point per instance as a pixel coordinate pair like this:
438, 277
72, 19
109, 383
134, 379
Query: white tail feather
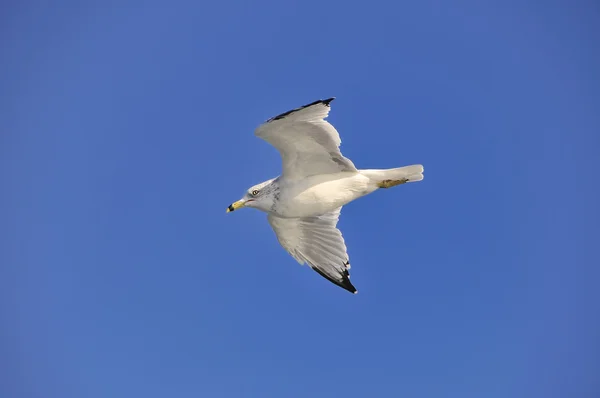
411, 173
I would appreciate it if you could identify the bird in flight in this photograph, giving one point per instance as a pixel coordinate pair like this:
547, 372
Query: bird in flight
303, 204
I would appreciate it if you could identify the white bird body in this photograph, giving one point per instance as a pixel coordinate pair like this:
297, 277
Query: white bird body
321, 194
304, 203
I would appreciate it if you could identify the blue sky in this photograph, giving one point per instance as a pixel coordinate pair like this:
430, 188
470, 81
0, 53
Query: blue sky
127, 128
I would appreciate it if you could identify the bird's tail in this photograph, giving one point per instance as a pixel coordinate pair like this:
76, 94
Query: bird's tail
392, 177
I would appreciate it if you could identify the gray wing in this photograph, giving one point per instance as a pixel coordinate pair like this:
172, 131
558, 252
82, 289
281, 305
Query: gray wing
308, 145
317, 242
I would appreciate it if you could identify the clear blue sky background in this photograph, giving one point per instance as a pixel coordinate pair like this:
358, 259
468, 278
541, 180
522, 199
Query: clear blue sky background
127, 128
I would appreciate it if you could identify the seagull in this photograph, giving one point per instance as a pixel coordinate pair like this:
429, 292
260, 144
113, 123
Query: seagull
303, 203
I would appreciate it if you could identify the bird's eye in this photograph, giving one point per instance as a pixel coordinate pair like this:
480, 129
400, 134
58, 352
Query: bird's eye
255, 192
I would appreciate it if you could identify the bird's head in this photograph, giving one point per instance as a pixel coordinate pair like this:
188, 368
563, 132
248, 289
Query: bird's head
260, 196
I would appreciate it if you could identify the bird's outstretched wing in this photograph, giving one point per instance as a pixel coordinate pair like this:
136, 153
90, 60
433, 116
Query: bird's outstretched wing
308, 145
317, 242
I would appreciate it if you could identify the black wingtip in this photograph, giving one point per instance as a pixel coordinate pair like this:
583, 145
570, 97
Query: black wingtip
281, 116
324, 102
344, 283
348, 286
328, 100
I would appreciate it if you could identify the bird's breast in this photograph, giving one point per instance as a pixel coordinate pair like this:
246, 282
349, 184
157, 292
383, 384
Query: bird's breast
321, 194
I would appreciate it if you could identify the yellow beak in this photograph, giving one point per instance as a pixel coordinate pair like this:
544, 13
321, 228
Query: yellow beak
235, 206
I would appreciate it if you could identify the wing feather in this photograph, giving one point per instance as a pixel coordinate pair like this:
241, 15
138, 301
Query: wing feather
308, 144
318, 242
